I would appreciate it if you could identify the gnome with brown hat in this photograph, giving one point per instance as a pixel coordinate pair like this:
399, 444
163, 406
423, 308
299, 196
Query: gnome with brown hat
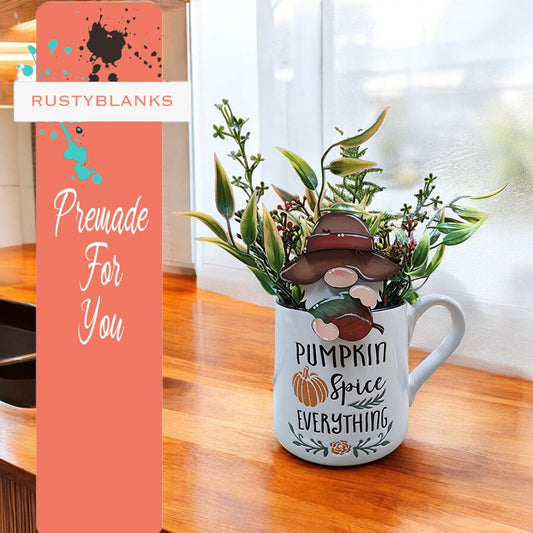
342, 275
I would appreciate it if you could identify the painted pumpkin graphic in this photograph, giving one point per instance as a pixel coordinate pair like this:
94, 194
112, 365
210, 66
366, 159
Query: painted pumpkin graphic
310, 389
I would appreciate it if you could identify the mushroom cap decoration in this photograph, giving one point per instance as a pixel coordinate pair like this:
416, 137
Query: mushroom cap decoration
338, 239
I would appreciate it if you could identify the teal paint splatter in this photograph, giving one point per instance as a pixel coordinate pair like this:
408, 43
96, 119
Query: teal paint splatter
65, 72
52, 44
47, 71
68, 49
53, 134
79, 155
27, 70
33, 51
41, 132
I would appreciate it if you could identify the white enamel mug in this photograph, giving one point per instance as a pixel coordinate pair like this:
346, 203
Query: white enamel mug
342, 403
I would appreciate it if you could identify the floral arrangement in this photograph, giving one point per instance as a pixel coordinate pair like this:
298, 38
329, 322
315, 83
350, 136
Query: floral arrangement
266, 240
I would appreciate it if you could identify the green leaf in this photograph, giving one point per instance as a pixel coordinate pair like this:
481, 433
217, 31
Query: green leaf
490, 195
284, 195
434, 237
373, 229
345, 166
459, 236
468, 213
400, 234
241, 255
435, 261
411, 297
420, 255
297, 293
450, 227
345, 207
209, 221
352, 142
249, 222
273, 243
223, 193
311, 198
306, 173
264, 280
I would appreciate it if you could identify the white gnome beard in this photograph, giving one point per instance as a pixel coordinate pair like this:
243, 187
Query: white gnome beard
320, 290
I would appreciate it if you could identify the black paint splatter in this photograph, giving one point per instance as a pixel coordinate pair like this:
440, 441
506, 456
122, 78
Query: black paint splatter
93, 76
79, 130
106, 45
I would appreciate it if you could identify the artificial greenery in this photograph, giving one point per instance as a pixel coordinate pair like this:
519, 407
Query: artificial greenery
265, 239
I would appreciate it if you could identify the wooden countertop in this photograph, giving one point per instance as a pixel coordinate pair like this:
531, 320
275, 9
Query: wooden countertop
466, 464
17, 426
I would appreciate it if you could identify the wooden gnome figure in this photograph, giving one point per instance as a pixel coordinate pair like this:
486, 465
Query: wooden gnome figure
341, 275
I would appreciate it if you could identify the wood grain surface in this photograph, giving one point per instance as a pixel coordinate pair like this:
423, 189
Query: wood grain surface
466, 464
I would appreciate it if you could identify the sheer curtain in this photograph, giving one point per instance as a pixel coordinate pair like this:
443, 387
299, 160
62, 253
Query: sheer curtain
459, 79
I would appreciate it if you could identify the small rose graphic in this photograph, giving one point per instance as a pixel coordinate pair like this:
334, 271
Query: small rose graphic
340, 447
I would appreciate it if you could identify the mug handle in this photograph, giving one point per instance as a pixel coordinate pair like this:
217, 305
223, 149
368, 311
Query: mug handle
428, 366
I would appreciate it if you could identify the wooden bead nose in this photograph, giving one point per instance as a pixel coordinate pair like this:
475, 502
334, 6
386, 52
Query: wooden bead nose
340, 277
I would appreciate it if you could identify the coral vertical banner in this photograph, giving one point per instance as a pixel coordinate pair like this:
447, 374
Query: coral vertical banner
98, 281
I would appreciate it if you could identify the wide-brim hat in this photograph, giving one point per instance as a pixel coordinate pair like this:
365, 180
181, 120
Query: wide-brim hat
338, 239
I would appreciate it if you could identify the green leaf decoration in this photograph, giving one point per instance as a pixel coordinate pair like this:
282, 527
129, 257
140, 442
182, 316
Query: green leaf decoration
336, 306
223, 193
209, 221
297, 293
469, 214
435, 261
344, 166
352, 142
458, 236
345, 207
490, 195
284, 195
411, 297
249, 221
241, 255
273, 243
400, 234
264, 280
312, 446
373, 229
434, 236
450, 227
367, 446
420, 255
311, 198
369, 403
306, 173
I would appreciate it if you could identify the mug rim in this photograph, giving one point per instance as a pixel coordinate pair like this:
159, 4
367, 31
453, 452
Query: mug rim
404, 303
